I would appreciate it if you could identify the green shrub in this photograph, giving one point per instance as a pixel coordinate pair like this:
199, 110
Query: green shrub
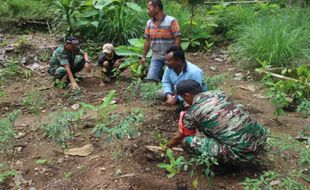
280, 40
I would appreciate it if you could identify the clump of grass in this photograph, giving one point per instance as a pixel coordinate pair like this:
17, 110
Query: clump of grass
281, 40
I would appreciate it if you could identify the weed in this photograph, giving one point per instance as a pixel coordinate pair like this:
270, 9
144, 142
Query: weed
149, 92
27, 73
304, 108
132, 91
59, 83
162, 141
67, 175
215, 81
272, 180
2, 94
175, 165
61, 126
34, 102
45, 55
7, 132
304, 160
11, 70
42, 161
5, 173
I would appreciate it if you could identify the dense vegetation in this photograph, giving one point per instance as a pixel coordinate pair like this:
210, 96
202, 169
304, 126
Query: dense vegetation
261, 37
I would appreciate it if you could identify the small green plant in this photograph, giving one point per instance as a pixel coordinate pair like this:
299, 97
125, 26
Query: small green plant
216, 80
5, 173
11, 70
45, 55
123, 127
59, 83
304, 108
27, 73
162, 141
67, 175
2, 94
34, 102
61, 126
265, 182
42, 161
103, 112
7, 132
149, 92
304, 160
175, 165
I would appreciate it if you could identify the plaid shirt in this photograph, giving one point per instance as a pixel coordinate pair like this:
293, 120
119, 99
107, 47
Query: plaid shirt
162, 36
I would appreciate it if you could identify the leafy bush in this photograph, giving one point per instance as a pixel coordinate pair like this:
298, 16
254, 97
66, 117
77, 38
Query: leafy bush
7, 132
280, 40
175, 165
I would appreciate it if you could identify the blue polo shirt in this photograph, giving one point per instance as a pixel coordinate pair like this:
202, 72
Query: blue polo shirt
190, 71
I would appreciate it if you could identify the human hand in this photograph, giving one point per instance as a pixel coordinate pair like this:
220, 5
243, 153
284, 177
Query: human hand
74, 86
106, 64
117, 63
142, 61
171, 100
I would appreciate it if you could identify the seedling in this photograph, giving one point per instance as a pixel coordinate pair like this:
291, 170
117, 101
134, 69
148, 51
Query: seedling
175, 164
59, 83
7, 133
61, 126
43, 161
34, 102
103, 112
67, 175
5, 173
27, 73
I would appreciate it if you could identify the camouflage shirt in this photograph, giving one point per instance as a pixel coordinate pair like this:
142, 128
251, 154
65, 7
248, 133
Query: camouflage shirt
63, 57
228, 123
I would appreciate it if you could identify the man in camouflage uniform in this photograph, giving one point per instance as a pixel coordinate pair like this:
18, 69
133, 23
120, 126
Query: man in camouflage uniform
216, 127
67, 60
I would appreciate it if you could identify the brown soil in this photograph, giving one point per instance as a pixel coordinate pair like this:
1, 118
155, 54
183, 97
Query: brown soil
97, 171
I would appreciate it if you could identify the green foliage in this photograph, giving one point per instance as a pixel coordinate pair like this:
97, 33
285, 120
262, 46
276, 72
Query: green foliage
162, 141
42, 161
215, 81
175, 165
103, 113
11, 70
59, 83
34, 101
7, 132
61, 126
149, 92
265, 182
304, 108
45, 55
5, 173
206, 162
2, 94
281, 40
304, 160
110, 20
13, 13
285, 92
122, 127
133, 54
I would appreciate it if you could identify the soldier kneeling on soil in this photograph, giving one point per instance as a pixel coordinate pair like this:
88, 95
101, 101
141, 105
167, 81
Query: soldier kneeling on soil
68, 60
214, 126
109, 61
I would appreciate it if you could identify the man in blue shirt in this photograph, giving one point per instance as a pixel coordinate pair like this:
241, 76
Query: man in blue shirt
178, 69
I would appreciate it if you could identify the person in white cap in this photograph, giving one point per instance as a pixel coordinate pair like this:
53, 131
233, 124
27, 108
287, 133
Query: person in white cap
109, 61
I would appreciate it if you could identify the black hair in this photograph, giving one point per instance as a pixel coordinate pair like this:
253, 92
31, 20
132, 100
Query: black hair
188, 86
178, 53
157, 3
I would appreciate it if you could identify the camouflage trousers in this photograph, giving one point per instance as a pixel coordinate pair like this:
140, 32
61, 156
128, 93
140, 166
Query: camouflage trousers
59, 71
210, 147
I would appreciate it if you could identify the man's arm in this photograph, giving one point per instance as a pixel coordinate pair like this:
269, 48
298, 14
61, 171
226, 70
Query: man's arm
147, 45
87, 61
71, 78
176, 140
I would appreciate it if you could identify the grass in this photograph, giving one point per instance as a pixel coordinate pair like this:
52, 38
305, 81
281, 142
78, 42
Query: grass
281, 40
